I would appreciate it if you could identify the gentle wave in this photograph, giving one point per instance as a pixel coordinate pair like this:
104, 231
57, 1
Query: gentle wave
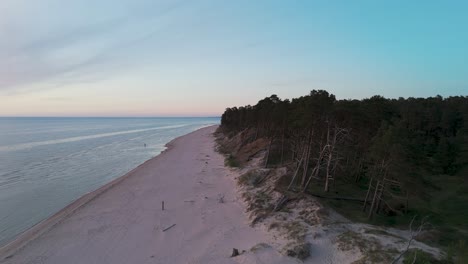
73, 139
43, 176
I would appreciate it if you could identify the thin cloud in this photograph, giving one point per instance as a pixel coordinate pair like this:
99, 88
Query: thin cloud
70, 53
72, 37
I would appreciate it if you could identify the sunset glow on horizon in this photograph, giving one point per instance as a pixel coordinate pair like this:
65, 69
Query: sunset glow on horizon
195, 58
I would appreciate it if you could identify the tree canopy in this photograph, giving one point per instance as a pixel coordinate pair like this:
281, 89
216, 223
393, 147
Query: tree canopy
415, 148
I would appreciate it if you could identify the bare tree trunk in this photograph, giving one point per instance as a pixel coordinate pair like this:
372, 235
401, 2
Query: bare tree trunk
380, 197
293, 153
407, 202
297, 170
371, 211
367, 195
308, 180
358, 173
327, 178
306, 163
315, 172
256, 132
330, 147
282, 147
379, 188
268, 152
333, 171
327, 170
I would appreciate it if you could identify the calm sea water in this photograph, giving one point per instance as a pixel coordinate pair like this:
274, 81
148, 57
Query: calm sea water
46, 163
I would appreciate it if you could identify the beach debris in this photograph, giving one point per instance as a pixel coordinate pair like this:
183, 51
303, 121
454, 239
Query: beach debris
189, 201
235, 252
221, 199
298, 250
281, 202
167, 228
162, 205
260, 246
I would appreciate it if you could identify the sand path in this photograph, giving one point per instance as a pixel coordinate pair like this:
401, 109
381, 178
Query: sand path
124, 224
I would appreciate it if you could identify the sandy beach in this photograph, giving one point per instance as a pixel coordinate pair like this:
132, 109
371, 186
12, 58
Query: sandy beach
123, 222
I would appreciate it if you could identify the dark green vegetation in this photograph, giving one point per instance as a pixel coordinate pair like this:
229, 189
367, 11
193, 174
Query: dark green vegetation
417, 256
377, 160
231, 161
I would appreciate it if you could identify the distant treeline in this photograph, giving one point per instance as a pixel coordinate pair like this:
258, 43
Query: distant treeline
396, 151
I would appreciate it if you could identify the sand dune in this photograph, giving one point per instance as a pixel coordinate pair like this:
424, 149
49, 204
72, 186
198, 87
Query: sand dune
125, 222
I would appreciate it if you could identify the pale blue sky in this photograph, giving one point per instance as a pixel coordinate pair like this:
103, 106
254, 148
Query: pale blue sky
151, 58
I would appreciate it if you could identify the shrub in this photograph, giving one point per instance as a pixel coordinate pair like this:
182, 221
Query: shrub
231, 161
251, 178
422, 258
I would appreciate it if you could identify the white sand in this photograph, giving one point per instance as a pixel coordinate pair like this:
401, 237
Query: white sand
124, 223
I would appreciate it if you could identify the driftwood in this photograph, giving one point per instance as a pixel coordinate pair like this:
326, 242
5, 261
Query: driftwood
263, 178
259, 218
335, 197
294, 194
281, 202
297, 170
413, 235
167, 228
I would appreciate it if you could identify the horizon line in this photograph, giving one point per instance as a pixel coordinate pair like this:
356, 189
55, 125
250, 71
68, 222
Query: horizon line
110, 116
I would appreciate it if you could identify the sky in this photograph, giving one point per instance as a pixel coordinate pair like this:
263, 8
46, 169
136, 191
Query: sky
195, 58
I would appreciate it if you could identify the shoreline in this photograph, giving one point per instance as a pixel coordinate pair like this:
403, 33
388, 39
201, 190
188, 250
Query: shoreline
203, 220
37, 230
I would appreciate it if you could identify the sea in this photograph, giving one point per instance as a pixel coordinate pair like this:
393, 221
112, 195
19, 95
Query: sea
47, 163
